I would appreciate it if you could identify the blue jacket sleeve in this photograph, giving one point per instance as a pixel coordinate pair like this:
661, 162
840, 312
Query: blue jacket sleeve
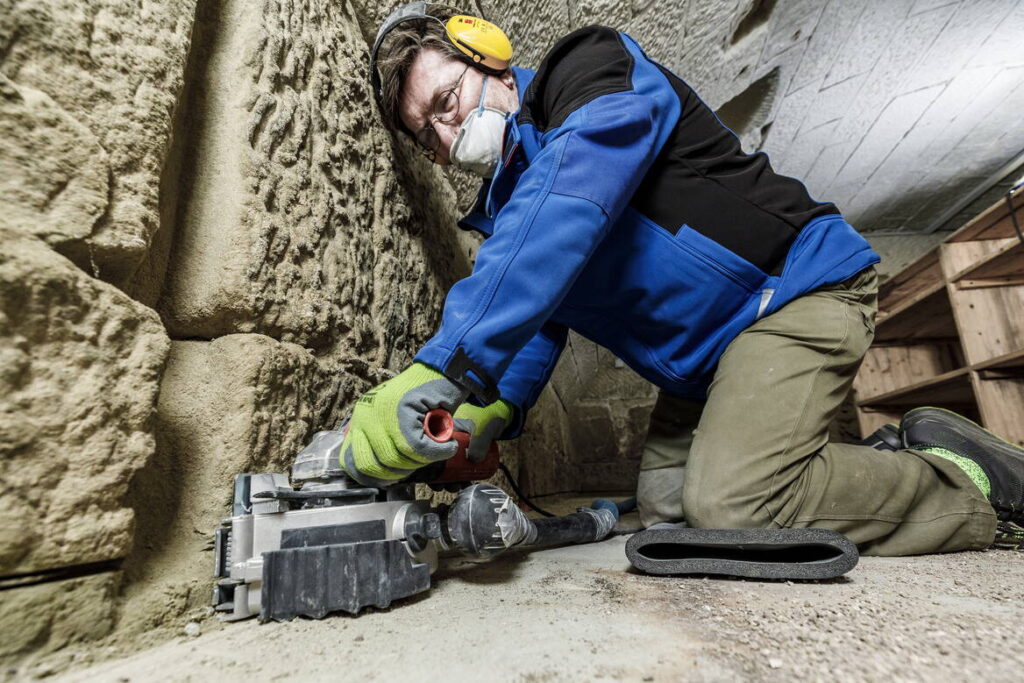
561, 209
529, 371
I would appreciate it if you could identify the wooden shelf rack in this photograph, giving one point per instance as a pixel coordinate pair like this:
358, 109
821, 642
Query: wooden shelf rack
950, 330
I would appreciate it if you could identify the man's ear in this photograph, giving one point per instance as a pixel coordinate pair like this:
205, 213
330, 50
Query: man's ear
508, 79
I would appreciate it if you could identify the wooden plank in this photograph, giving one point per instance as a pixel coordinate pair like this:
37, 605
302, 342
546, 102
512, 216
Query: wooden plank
921, 275
951, 388
988, 284
962, 257
888, 368
1001, 403
967, 298
994, 222
991, 320
927, 315
1005, 262
1012, 360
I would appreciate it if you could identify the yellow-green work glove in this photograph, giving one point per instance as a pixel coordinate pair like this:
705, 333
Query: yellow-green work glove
483, 425
385, 441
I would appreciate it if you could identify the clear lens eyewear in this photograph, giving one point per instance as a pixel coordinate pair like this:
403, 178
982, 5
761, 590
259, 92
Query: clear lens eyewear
445, 109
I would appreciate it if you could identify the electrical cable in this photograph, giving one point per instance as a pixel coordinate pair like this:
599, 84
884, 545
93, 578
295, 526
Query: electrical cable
515, 487
540, 510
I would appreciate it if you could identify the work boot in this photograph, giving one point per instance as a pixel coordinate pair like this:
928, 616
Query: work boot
995, 465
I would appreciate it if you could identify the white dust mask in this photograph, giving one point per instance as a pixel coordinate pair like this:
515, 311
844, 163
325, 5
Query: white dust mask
477, 147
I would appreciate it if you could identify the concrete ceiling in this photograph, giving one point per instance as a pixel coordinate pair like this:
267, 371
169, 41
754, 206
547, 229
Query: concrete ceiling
895, 110
892, 109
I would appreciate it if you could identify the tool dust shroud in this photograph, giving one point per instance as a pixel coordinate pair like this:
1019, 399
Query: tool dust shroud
321, 543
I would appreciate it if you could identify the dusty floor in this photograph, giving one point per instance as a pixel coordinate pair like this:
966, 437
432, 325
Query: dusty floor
578, 613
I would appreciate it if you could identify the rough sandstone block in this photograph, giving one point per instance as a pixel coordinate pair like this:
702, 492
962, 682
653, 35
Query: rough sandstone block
293, 222
80, 365
49, 616
54, 176
239, 403
99, 80
542, 459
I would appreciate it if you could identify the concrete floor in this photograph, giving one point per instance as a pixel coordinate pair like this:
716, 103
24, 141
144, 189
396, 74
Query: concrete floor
579, 613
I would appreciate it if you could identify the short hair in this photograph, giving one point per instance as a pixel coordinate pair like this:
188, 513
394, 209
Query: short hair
400, 48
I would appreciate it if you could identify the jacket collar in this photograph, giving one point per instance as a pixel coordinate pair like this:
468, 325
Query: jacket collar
523, 78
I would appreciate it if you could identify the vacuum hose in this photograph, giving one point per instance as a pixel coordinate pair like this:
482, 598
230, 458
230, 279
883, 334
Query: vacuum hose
483, 521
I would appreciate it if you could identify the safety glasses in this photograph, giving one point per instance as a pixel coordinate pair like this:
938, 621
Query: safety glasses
444, 110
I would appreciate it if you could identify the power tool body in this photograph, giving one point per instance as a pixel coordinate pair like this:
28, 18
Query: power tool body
320, 542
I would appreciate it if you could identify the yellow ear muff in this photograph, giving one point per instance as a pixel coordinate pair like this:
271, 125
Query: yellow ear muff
480, 40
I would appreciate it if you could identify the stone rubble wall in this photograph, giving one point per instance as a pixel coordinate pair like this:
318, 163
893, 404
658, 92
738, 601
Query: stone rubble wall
211, 248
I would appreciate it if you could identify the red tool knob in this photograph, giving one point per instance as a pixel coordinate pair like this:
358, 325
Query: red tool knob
439, 425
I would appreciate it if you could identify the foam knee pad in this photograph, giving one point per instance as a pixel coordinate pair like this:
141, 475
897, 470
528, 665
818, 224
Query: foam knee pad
751, 553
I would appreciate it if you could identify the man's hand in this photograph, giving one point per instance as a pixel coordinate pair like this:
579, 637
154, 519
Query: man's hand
484, 425
385, 441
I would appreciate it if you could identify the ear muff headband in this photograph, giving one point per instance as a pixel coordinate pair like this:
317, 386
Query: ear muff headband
486, 45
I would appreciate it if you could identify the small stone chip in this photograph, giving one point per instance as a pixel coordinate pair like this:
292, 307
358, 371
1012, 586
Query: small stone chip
193, 629
775, 663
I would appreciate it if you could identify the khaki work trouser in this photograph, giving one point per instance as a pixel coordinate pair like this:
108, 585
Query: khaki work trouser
760, 455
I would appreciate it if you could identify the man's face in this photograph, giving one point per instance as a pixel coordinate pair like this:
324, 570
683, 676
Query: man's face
431, 76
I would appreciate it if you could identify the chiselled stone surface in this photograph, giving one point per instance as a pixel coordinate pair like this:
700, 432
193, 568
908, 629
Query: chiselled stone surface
54, 176
298, 218
49, 616
241, 403
98, 80
80, 364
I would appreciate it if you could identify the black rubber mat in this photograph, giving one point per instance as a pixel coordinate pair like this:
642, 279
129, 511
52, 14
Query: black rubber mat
750, 553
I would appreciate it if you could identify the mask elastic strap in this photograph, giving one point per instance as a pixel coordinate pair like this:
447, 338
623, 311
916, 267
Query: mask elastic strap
483, 94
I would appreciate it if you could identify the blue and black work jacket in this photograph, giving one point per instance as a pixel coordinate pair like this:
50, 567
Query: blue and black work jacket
625, 210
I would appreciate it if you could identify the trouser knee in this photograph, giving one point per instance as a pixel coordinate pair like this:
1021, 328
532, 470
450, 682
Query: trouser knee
708, 513
716, 504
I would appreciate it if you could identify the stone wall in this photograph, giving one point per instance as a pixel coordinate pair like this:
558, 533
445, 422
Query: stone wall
87, 92
210, 249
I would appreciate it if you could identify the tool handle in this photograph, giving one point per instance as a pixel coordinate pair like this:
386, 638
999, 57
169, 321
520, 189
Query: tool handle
439, 425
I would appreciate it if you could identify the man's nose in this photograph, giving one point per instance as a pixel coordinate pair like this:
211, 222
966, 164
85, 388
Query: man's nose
446, 132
